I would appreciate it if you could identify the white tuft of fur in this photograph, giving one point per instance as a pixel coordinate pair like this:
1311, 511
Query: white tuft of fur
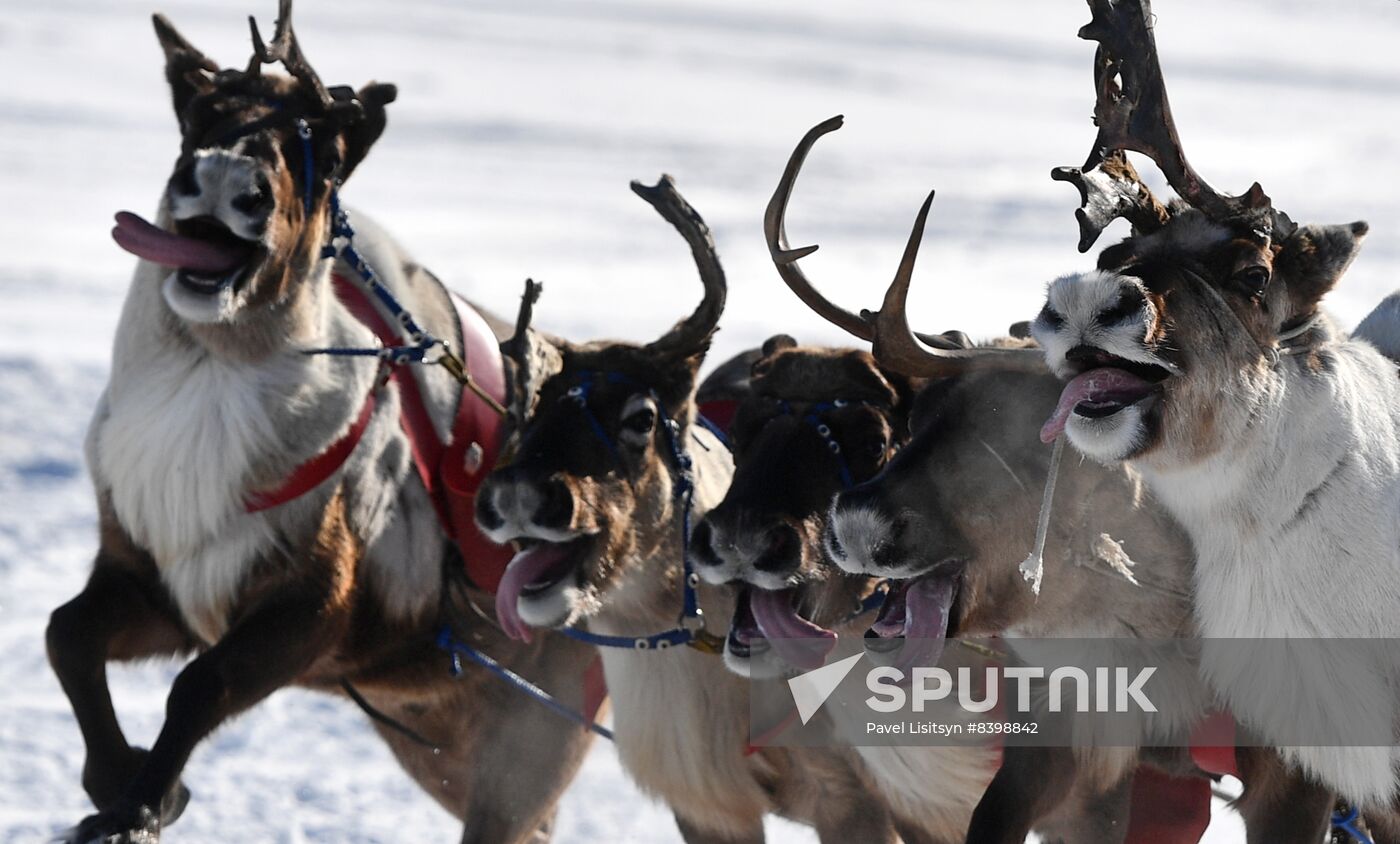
938, 785
559, 605
1109, 439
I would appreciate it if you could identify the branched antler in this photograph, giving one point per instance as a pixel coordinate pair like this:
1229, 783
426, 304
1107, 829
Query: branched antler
285, 49
1110, 190
893, 342
1133, 114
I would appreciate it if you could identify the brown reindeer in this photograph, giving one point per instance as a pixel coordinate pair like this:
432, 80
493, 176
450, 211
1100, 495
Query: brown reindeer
258, 506
811, 421
605, 437
953, 513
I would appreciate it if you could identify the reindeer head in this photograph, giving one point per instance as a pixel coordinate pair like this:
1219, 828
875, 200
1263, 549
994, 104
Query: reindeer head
1171, 342
246, 210
600, 435
813, 421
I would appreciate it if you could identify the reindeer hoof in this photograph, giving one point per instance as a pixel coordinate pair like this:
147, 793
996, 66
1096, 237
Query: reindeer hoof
118, 825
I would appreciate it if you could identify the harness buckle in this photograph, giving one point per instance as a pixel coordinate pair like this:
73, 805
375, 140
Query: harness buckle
694, 623
708, 643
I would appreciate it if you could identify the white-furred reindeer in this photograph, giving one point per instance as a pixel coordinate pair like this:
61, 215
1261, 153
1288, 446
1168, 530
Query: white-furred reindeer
1197, 354
265, 510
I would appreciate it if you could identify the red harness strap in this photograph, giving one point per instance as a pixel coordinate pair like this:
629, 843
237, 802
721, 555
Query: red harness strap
1213, 744
452, 472
475, 436
315, 471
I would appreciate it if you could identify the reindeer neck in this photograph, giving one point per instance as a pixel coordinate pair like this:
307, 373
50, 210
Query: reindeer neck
648, 596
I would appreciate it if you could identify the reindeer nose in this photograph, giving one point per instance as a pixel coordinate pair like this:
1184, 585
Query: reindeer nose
556, 507
702, 545
889, 551
1129, 304
183, 180
782, 554
1087, 357
487, 516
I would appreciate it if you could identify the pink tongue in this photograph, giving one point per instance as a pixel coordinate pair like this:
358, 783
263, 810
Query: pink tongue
1094, 385
798, 641
928, 606
155, 244
525, 568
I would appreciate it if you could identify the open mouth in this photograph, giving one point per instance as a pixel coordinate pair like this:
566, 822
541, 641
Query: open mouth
915, 620
770, 617
538, 572
745, 639
1108, 386
205, 254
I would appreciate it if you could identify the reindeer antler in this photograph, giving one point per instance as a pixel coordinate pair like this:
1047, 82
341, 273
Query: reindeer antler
1107, 191
285, 49
893, 342
1132, 113
693, 332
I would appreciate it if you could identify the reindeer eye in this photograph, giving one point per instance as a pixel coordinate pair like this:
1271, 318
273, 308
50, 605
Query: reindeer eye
1048, 316
640, 422
1252, 280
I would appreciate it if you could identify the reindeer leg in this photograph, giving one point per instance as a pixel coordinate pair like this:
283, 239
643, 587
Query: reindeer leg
1280, 804
268, 647
1032, 781
692, 834
121, 614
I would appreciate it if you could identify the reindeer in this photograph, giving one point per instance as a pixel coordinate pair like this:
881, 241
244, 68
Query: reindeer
258, 506
811, 421
605, 438
1197, 355
952, 513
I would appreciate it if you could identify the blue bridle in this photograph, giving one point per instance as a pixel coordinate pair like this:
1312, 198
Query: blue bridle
812, 416
691, 629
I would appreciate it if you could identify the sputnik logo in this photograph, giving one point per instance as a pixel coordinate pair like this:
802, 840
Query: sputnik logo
810, 690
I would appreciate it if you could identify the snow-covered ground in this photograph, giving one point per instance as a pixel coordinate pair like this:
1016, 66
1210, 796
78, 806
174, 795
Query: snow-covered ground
508, 154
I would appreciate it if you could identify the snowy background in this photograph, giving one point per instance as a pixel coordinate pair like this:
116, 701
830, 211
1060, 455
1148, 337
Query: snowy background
508, 154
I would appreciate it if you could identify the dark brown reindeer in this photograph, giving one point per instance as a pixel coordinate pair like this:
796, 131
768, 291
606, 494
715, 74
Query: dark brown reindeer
953, 513
259, 507
604, 436
811, 421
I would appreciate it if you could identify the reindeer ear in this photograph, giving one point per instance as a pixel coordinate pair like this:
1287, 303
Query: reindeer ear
778, 342
362, 134
1312, 260
188, 71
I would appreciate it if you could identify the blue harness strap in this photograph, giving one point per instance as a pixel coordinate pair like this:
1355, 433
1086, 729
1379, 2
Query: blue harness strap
813, 418
691, 629
1345, 822
458, 649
